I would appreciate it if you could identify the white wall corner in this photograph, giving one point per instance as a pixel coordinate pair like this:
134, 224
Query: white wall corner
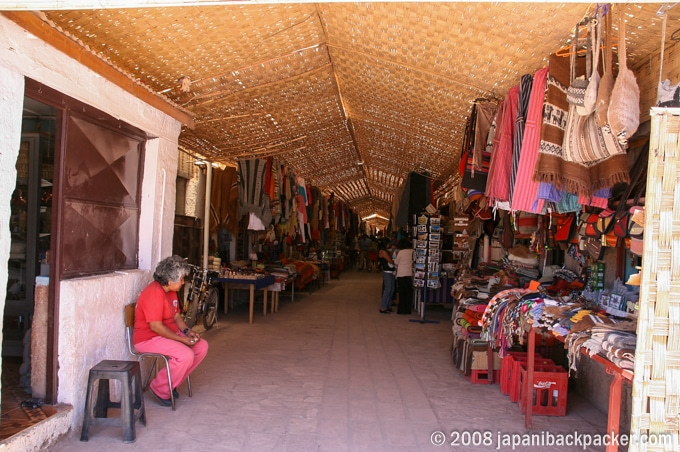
94, 327
11, 105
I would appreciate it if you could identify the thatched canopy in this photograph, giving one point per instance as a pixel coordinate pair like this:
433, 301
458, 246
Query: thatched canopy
352, 96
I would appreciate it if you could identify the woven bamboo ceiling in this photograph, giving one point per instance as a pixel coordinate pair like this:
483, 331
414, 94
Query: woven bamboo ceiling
352, 96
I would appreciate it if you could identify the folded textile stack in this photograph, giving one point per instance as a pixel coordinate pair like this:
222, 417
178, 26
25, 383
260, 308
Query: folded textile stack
619, 348
494, 316
594, 344
468, 318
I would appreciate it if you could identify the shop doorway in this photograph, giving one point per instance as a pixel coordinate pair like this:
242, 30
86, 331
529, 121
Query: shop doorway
25, 317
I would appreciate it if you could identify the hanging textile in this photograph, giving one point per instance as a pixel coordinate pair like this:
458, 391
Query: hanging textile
522, 107
600, 198
501, 159
475, 175
301, 209
314, 217
301, 189
486, 113
275, 193
251, 184
496, 128
268, 177
525, 189
254, 222
551, 167
589, 158
326, 214
224, 201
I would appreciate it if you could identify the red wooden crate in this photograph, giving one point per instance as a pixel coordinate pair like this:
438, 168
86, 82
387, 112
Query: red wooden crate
517, 362
481, 376
549, 390
506, 369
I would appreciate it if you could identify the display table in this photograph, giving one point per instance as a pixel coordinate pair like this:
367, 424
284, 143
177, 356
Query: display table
619, 374
250, 284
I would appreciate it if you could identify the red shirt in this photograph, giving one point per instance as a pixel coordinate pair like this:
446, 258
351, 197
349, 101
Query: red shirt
154, 304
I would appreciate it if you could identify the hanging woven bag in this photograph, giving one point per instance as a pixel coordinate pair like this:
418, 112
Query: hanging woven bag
624, 106
604, 91
590, 96
667, 95
577, 85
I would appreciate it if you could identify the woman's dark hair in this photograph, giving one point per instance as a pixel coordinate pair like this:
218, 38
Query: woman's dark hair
171, 268
404, 244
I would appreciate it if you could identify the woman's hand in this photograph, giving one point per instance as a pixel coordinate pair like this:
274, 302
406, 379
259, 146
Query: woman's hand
192, 337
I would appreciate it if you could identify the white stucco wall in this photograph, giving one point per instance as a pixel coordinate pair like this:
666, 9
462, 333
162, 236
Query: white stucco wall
11, 102
91, 324
91, 328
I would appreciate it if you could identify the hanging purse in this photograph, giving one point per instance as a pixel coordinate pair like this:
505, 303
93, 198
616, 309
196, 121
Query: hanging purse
624, 105
621, 224
605, 222
594, 248
638, 177
604, 91
577, 85
566, 228
590, 95
637, 229
583, 224
667, 95
526, 223
591, 226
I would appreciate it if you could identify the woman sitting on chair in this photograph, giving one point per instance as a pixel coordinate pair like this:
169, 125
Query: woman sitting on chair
159, 328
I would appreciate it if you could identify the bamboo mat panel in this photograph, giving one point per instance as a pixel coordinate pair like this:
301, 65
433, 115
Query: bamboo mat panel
656, 383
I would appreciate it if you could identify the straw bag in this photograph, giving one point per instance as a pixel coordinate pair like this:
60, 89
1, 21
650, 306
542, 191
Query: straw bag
577, 85
604, 91
624, 106
667, 95
590, 96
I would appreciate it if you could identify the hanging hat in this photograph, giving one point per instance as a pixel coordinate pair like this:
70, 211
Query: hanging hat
634, 279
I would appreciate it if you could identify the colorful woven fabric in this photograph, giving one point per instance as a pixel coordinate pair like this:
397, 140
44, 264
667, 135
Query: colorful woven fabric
551, 167
520, 121
525, 194
498, 186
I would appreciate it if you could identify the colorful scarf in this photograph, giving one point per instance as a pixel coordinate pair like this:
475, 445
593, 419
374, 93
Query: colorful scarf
525, 194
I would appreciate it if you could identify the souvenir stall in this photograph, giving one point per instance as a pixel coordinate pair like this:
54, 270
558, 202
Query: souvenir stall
552, 191
283, 227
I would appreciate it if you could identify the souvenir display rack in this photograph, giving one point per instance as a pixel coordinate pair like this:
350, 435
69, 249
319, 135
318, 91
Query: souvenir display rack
427, 277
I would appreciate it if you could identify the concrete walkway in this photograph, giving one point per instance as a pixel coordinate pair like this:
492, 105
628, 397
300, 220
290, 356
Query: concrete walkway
330, 373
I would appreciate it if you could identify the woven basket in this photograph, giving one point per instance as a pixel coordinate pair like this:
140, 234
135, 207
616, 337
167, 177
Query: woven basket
656, 384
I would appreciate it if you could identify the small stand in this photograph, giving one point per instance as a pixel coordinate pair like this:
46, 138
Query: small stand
420, 305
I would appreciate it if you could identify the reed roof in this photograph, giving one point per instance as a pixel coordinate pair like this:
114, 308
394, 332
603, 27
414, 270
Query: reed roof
325, 87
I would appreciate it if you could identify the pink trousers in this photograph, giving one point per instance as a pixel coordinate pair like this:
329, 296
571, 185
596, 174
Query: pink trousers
183, 361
